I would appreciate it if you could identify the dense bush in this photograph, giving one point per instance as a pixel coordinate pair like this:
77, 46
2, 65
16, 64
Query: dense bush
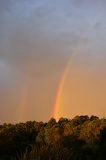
80, 138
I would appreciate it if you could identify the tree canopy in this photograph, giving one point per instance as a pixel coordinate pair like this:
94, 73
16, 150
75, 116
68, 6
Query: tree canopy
80, 138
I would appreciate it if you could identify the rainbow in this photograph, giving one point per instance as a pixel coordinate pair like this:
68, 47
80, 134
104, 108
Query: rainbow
57, 103
23, 101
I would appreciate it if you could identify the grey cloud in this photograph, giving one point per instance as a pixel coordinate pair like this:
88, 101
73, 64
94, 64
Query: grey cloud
37, 37
41, 30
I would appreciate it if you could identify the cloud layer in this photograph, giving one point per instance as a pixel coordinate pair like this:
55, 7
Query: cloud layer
37, 38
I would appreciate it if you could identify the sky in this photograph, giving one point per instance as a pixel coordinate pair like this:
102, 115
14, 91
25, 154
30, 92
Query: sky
37, 40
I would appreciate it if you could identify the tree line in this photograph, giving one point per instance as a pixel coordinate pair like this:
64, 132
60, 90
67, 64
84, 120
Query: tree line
80, 138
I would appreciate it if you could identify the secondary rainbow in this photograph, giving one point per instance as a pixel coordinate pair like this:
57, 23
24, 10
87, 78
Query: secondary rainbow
23, 101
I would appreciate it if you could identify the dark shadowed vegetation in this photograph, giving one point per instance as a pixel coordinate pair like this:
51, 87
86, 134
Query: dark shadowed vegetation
80, 138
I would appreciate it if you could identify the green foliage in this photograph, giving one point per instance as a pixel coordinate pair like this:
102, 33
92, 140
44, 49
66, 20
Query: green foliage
80, 138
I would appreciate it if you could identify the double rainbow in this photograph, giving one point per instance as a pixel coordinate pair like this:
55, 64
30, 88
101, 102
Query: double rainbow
57, 102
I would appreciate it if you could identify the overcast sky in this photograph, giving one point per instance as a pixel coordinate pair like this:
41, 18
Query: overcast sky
37, 38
